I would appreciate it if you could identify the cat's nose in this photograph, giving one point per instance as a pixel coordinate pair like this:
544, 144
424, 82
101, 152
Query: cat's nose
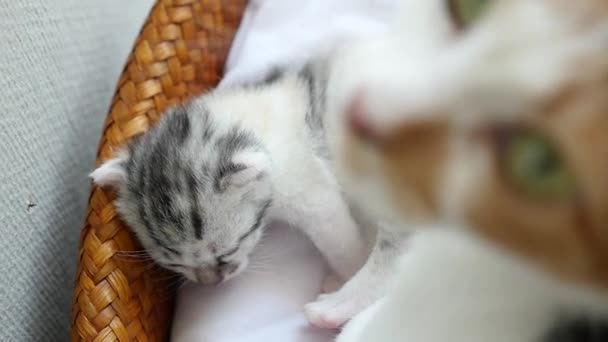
208, 276
356, 121
215, 275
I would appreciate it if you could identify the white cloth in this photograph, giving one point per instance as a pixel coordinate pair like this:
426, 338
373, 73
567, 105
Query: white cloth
288, 33
262, 305
266, 305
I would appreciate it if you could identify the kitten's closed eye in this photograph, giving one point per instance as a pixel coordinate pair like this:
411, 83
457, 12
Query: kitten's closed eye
228, 254
175, 266
254, 227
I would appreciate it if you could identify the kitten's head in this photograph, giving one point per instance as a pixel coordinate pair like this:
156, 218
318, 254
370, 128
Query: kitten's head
195, 194
496, 118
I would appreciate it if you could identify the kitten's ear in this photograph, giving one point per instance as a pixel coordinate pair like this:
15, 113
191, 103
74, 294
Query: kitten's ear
244, 168
112, 172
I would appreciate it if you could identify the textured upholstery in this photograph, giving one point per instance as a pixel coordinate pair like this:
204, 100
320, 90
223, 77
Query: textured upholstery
59, 63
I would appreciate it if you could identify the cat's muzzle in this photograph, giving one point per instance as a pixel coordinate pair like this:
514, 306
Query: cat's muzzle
215, 275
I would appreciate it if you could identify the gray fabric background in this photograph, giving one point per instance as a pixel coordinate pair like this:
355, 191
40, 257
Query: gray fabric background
59, 63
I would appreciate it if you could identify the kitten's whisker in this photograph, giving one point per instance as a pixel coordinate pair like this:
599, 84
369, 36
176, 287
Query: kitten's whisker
175, 285
259, 262
145, 267
176, 281
259, 272
255, 271
183, 284
132, 253
134, 260
169, 277
265, 260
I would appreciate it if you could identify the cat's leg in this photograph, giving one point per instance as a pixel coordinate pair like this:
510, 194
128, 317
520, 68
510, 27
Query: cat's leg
364, 288
326, 220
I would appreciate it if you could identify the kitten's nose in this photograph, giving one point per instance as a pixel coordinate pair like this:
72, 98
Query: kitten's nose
215, 275
208, 276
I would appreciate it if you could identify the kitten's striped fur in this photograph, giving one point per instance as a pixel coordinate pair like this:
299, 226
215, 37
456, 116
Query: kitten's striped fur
199, 186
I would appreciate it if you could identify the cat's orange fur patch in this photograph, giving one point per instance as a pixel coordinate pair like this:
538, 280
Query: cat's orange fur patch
568, 237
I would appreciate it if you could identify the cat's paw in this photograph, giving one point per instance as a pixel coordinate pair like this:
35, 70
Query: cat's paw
331, 311
326, 314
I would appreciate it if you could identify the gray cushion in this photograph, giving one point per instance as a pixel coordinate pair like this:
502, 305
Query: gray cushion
59, 63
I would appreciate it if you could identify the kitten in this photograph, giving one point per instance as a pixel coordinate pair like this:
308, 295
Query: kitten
491, 116
199, 187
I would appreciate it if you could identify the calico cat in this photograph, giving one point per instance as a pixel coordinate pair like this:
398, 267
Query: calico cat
486, 121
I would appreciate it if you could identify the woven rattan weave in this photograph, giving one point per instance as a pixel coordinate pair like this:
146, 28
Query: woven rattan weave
180, 51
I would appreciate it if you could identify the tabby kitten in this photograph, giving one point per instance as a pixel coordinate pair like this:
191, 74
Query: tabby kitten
199, 187
490, 116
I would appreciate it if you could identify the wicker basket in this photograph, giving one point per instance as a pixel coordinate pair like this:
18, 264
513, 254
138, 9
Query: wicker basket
179, 53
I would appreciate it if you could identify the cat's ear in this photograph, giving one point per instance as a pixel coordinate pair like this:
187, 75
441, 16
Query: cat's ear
244, 168
112, 172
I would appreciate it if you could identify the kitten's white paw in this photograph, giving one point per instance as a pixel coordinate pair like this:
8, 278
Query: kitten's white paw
327, 315
331, 311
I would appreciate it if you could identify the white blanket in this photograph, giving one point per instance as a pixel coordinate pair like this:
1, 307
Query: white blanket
288, 33
262, 305
265, 304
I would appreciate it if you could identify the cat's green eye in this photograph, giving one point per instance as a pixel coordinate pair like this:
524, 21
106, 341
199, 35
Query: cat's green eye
534, 165
465, 12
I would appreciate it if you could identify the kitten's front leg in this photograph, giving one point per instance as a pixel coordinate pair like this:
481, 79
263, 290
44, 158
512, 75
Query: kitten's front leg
335, 234
367, 286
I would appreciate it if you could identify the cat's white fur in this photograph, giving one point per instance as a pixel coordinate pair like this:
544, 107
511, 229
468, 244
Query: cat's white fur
450, 286
311, 29
305, 192
512, 57
420, 62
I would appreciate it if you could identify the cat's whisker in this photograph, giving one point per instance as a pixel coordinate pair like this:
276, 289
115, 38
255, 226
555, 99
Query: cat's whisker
145, 267
134, 260
183, 284
169, 277
262, 260
256, 271
258, 265
259, 269
176, 283
131, 253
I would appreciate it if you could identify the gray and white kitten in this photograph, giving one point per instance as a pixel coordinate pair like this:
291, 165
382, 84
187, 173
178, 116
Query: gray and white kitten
199, 187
